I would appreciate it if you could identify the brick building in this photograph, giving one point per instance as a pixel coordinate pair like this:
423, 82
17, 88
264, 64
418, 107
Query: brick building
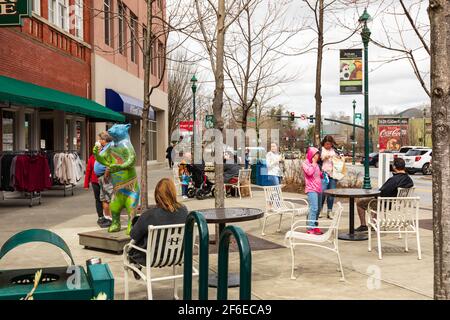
45, 79
118, 69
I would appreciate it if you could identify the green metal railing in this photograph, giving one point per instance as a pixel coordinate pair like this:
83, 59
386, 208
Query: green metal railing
245, 256
224, 245
196, 217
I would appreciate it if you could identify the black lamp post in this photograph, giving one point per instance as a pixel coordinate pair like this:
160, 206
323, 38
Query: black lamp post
354, 138
194, 90
365, 34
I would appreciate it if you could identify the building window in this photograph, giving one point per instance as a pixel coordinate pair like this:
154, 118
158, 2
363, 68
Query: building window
152, 141
36, 6
154, 49
58, 13
160, 59
122, 30
108, 25
8, 121
79, 18
134, 37
144, 44
28, 131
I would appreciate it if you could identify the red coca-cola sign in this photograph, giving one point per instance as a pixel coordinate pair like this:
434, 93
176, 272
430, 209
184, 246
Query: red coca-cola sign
392, 133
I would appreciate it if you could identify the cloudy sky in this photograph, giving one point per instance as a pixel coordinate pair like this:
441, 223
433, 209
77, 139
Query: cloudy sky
392, 86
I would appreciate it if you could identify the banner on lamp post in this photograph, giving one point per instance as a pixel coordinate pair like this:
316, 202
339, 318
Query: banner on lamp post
351, 71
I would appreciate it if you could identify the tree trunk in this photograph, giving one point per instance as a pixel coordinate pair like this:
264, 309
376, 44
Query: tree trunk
244, 118
218, 102
440, 86
318, 94
146, 108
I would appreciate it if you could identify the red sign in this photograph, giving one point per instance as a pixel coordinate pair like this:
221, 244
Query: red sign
392, 133
187, 125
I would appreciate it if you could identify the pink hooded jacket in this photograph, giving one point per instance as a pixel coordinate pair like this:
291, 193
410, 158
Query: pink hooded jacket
313, 175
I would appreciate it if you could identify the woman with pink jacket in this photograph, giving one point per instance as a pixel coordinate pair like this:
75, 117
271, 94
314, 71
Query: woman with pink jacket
313, 188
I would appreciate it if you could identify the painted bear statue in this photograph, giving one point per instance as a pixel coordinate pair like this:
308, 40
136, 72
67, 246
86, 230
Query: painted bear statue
120, 158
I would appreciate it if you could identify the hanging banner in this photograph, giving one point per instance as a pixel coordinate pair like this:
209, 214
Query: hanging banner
351, 71
392, 133
12, 12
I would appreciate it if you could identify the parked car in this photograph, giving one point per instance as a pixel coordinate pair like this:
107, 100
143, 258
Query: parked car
418, 160
373, 159
400, 153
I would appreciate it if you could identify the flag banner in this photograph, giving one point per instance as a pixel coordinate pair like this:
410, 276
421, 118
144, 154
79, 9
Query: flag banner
351, 71
392, 133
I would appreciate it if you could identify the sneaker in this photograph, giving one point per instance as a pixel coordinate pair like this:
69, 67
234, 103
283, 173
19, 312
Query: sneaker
185, 197
317, 231
329, 215
102, 222
361, 229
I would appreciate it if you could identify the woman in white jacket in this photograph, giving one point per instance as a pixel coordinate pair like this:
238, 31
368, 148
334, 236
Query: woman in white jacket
273, 160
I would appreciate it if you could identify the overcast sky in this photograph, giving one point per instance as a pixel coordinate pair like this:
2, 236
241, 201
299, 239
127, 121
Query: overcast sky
392, 86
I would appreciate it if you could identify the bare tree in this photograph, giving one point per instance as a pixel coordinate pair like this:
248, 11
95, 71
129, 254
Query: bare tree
439, 13
256, 44
213, 23
179, 93
318, 9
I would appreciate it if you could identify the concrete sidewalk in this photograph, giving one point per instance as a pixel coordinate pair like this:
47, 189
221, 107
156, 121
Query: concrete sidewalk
398, 276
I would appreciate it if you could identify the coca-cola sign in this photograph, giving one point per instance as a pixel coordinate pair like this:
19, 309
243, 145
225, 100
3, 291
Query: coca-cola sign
392, 133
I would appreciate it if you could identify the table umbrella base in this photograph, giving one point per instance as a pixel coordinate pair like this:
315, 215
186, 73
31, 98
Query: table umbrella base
353, 237
233, 280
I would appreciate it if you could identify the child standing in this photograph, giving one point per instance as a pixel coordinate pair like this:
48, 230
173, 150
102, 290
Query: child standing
185, 179
313, 188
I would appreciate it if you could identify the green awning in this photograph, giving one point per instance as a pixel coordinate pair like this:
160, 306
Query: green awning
28, 94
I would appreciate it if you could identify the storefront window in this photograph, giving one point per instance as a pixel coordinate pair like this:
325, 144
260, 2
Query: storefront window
67, 135
78, 128
152, 141
28, 130
8, 119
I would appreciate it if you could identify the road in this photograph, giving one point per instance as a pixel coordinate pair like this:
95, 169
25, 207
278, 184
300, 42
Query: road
423, 185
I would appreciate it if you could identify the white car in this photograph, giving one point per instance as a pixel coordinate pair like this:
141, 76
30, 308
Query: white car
418, 160
400, 153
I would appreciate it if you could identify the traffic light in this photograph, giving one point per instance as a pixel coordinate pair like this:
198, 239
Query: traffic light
311, 119
292, 116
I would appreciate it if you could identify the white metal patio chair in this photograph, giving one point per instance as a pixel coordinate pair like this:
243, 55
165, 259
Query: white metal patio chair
176, 180
328, 240
164, 249
405, 192
394, 215
276, 205
242, 183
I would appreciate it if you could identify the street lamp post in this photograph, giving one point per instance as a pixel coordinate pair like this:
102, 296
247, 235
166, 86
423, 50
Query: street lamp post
365, 34
354, 138
194, 90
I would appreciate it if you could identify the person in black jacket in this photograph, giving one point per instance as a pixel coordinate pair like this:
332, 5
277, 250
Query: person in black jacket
166, 211
400, 179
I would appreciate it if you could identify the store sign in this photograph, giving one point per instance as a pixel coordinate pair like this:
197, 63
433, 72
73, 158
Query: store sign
392, 133
351, 71
187, 125
13, 11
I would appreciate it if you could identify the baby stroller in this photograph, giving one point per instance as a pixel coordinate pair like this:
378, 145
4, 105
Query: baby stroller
202, 187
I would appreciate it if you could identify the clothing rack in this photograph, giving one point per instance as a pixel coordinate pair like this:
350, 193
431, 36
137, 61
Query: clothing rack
25, 195
64, 187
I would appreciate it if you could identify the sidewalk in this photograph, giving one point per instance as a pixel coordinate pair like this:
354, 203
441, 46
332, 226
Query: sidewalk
398, 276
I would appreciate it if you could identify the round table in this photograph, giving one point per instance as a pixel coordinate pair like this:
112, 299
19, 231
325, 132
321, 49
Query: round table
222, 216
352, 194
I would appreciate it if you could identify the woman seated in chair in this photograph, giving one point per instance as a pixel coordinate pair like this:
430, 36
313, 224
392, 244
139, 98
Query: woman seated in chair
166, 211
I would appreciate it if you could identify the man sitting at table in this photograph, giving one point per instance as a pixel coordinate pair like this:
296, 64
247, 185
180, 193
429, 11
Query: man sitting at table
400, 179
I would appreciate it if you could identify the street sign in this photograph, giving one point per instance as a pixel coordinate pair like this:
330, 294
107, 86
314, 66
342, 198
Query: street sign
358, 116
12, 12
354, 142
210, 121
252, 119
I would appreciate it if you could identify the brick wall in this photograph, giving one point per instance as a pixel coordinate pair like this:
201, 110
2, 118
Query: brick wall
42, 55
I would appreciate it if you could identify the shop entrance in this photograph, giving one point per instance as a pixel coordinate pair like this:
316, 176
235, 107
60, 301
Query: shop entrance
47, 141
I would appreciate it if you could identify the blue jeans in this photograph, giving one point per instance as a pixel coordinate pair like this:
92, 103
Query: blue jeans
274, 180
184, 189
313, 200
326, 186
